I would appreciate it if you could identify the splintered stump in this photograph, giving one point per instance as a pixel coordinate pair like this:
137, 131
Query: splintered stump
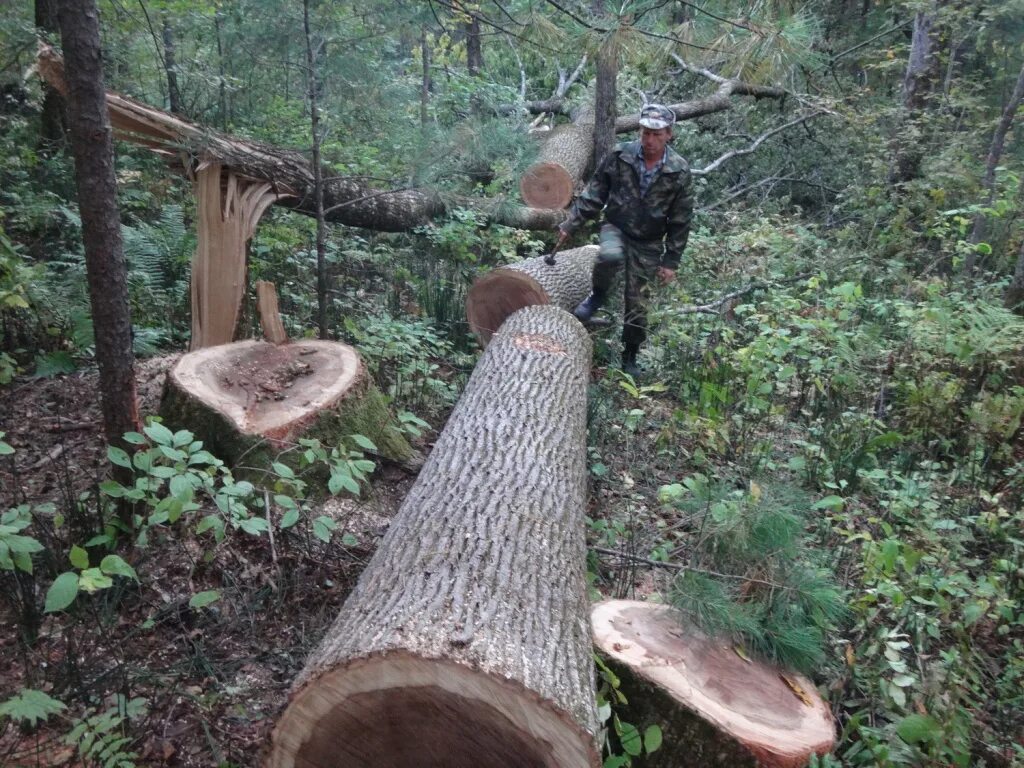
250, 401
715, 708
466, 643
498, 294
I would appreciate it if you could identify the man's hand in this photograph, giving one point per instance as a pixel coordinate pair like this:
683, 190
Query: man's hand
666, 275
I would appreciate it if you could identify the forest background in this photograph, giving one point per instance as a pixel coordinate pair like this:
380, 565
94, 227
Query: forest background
836, 378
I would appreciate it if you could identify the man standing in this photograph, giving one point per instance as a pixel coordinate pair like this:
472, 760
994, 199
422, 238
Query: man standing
644, 189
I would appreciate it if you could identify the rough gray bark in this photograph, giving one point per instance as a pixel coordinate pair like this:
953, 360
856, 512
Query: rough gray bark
500, 293
466, 642
995, 154
715, 708
92, 146
474, 47
605, 107
916, 87
52, 122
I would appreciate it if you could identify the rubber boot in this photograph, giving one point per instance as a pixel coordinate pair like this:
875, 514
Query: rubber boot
585, 309
629, 364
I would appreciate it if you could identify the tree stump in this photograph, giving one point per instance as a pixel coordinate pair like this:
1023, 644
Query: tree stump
715, 708
466, 641
498, 294
249, 401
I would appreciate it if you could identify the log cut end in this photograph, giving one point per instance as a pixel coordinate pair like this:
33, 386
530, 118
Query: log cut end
400, 709
546, 185
498, 294
773, 718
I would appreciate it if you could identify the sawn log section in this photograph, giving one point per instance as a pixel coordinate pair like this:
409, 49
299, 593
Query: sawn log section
466, 642
498, 294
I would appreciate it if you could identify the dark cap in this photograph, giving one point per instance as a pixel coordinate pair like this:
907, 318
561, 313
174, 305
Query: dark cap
656, 116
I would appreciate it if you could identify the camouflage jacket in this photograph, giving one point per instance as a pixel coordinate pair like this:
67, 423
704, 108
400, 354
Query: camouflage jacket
664, 212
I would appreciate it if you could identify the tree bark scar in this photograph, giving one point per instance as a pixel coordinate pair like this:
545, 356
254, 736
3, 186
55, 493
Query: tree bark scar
538, 342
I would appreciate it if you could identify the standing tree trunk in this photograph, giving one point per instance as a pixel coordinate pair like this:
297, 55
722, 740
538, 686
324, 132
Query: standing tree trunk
995, 153
425, 84
92, 146
916, 86
52, 123
171, 67
222, 88
474, 47
466, 643
1015, 291
605, 112
312, 53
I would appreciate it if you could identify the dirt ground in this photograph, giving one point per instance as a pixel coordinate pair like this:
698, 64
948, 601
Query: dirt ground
213, 680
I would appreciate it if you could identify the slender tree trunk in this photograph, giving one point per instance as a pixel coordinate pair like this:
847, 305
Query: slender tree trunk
222, 90
1015, 292
916, 87
171, 67
604, 98
474, 48
425, 85
318, 182
995, 153
52, 123
92, 146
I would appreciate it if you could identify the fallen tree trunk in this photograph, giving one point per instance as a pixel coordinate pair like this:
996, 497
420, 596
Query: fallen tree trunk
250, 401
562, 166
496, 295
465, 642
715, 708
346, 201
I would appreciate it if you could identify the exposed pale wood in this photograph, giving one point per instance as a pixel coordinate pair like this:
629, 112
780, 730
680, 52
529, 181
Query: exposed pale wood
227, 210
547, 185
562, 165
466, 641
496, 295
270, 316
254, 399
715, 707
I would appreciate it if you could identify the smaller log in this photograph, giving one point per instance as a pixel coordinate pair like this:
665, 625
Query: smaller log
546, 185
250, 401
270, 316
715, 708
496, 295
562, 165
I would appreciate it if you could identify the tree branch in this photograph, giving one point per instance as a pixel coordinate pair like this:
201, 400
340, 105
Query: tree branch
753, 146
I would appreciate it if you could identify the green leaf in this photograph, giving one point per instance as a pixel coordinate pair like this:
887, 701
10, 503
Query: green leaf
54, 364
62, 592
112, 488
283, 470
93, 580
340, 481
616, 761
134, 438
630, 739
5, 449
829, 502
115, 566
203, 599
983, 248
30, 706
285, 501
25, 544
915, 729
22, 561
349, 540
79, 557
652, 738
159, 434
322, 528
253, 525
364, 442
289, 518
119, 456
181, 438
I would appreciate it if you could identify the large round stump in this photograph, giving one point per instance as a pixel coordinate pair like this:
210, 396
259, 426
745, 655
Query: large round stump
715, 707
466, 643
496, 295
250, 401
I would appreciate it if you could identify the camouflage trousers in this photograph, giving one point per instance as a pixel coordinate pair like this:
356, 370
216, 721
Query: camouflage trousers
641, 260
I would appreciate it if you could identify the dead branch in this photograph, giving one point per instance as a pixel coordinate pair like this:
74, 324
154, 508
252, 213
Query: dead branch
714, 166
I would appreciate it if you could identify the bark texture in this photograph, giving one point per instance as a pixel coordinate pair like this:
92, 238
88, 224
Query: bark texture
466, 641
52, 123
562, 165
714, 707
93, 149
252, 400
1015, 291
498, 294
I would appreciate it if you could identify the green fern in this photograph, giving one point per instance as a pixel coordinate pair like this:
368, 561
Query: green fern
101, 738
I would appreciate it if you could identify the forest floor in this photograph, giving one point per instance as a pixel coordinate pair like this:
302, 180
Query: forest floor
213, 679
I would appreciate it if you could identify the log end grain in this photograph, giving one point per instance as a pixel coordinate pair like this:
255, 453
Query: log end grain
719, 708
546, 185
399, 709
498, 294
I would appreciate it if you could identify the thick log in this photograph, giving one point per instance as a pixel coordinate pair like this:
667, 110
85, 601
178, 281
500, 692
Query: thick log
466, 641
498, 294
715, 707
562, 165
250, 401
